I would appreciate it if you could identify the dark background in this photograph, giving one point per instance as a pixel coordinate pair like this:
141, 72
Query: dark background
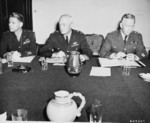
8, 6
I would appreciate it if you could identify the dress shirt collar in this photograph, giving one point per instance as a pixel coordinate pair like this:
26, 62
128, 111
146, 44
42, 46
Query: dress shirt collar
69, 35
124, 36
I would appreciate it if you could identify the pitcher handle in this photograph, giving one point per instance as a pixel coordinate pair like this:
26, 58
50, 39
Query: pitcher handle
83, 101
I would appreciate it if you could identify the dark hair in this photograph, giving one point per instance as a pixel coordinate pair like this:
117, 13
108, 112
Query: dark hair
127, 16
18, 16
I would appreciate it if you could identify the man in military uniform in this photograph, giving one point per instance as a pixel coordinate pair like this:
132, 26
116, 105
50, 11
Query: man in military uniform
124, 42
18, 39
65, 40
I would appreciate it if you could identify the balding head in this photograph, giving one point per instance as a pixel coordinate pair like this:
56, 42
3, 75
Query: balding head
65, 23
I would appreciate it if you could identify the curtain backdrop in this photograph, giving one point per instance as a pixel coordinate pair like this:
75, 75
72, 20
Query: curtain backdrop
22, 6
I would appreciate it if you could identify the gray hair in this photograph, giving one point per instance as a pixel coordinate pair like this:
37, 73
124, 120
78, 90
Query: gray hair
68, 17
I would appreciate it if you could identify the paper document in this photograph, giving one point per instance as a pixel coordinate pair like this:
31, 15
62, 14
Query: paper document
130, 63
100, 71
105, 62
27, 59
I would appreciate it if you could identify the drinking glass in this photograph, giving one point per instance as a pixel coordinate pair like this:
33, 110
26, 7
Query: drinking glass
19, 115
44, 65
126, 70
9, 59
96, 112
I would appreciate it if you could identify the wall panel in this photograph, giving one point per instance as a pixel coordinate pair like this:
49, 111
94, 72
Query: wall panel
90, 16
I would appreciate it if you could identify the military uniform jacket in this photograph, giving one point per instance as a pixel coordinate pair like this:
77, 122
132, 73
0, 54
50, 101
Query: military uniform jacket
114, 43
26, 44
56, 42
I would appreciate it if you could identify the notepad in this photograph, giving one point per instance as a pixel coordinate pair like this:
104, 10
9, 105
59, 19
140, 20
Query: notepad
100, 71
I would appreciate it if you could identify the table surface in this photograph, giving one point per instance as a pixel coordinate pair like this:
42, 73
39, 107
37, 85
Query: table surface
124, 98
43, 122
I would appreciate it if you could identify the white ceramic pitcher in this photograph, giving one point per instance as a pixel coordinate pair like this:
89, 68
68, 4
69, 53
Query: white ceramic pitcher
63, 107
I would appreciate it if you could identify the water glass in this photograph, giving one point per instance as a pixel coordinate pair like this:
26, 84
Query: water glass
44, 65
9, 59
96, 113
19, 115
126, 70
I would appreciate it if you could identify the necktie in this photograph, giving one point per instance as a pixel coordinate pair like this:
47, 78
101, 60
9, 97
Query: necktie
125, 38
67, 40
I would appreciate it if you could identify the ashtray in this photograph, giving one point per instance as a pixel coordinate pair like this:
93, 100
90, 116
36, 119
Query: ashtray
22, 69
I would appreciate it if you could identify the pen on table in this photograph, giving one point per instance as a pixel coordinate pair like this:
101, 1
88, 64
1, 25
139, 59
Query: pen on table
141, 63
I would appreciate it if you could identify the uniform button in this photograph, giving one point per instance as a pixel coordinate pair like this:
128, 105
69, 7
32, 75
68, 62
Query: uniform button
125, 49
143, 55
19, 47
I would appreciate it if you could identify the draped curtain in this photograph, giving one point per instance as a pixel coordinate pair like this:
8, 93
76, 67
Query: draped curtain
22, 6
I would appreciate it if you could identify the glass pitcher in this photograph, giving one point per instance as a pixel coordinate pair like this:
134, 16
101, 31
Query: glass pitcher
74, 64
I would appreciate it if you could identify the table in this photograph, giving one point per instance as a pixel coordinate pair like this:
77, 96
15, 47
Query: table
43, 122
124, 99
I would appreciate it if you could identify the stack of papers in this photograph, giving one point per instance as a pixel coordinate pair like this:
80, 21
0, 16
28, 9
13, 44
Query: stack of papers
100, 71
27, 59
105, 62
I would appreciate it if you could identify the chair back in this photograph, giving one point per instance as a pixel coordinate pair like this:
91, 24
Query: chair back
38, 47
95, 42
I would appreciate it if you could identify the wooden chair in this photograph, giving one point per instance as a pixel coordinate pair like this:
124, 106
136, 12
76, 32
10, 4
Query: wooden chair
95, 43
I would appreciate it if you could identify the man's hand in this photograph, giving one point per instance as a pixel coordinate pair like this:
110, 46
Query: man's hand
16, 54
83, 57
59, 54
132, 57
118, 55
